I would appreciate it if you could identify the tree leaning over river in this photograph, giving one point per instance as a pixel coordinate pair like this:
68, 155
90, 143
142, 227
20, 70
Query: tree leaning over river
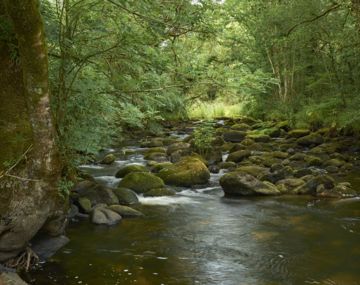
29, 164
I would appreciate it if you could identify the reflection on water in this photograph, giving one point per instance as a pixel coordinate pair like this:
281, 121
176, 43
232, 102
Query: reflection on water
206, 239
199, 237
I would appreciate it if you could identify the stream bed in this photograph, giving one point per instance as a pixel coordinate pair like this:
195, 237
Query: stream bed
200, 237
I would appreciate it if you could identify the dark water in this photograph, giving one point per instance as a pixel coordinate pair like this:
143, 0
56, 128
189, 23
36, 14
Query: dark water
199, 237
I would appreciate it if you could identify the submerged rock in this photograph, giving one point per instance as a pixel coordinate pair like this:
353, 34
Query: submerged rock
187, 172
125, 211
243, 184
141, 182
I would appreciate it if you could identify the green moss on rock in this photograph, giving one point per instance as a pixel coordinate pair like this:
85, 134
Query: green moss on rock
141, 182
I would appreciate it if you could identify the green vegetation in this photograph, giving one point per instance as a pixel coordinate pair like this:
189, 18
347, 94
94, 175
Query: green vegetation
204, 135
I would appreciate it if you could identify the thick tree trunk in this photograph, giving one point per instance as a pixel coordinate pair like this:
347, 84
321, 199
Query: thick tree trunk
29, 193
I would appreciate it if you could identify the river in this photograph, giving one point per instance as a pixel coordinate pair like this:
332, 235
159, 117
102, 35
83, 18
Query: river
200, 237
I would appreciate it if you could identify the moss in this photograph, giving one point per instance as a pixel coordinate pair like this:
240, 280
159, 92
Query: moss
189, 171
160, 192
130, 168
298, 133
141, 182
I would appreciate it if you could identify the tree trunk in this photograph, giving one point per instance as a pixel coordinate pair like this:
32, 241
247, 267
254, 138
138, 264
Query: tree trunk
29, 193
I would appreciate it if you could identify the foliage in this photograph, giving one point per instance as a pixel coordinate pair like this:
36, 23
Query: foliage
204, 135
64, 187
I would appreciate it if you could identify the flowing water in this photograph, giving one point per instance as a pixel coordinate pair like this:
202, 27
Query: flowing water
200, 237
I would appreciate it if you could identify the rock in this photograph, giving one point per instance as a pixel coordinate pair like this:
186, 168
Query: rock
227, 165
342, 190
85, 204
104, 216
141, 182
310, 140
153, 142
96, 193
73, 211
122, 172
160, 192
45, 246
313, 161
213, 156
234, 136
11, 278
125, 211
242, 184
335, 162
280, 154
187, 172
177, 146
302, 172
280, 174
159, 166
259, 138
272, 132
298, 156
218, 141
240, 127
284, 125
156, 156
289, 184
298, 133
108, 159
126, 196
310, 186
238, 156
254, 170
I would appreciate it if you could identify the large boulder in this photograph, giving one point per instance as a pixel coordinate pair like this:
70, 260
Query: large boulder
188, 171
126, 196
141, 182
234, 136
122, 172
238, 156
243, 184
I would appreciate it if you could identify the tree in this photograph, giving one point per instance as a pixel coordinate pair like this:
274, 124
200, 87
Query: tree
29, 181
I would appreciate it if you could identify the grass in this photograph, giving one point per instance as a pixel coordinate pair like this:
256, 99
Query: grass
211, 110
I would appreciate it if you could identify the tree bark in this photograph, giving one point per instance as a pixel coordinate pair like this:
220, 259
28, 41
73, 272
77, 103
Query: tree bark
29, 197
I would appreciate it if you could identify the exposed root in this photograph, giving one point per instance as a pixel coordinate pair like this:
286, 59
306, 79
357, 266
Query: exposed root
24, 261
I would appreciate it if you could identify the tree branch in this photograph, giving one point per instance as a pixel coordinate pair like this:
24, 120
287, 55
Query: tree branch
336, 6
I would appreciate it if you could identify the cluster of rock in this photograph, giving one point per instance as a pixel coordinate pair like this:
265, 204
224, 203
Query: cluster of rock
263, 158
271, 159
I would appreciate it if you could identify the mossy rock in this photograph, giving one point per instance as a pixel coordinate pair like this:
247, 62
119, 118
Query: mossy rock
108, 159
240, 127
122, 172
335, 162
283, 125
254, 170
242, 184
126, 196
310, 186
298, 133
96, 193
280, 154
176, 147
289, 184
85, 204
158, 192
313, 161
227, 165
156, 156
259, 137
310, 140
125, 211
238, 156
272, 132
141, 182
155, 149
234, 136
159, 166
153, 142
187, 172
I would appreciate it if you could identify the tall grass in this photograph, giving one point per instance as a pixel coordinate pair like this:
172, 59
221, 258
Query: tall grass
211, 110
